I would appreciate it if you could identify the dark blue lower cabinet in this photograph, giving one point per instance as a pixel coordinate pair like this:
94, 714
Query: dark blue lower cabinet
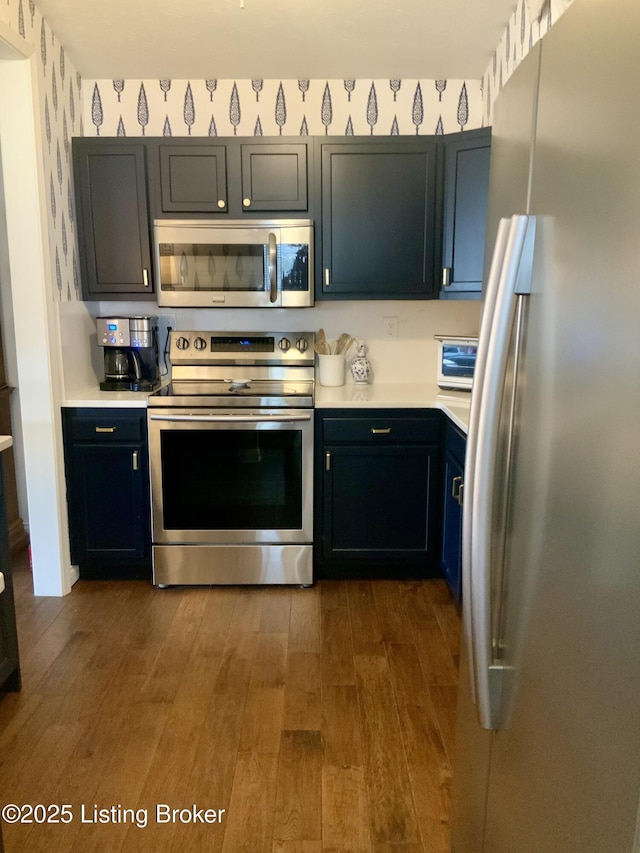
452, 499
106, 463
377, 474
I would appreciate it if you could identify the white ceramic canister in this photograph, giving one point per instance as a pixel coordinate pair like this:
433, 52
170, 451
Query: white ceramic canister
331, 369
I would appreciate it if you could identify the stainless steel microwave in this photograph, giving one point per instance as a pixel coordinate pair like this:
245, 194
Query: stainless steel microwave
456, 361
234, 264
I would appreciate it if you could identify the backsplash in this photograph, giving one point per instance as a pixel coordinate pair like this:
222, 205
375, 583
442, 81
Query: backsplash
410, 358
280, 107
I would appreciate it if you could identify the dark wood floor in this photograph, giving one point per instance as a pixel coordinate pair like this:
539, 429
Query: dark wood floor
319, 719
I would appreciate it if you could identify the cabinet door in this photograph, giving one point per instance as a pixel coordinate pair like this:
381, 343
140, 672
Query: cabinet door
451, 557
9, 668
193, 178
466, 193
113, 219
274, 176
378, 219
377, 501
109, 503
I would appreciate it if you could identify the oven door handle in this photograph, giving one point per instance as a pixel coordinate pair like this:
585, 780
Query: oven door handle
221, 419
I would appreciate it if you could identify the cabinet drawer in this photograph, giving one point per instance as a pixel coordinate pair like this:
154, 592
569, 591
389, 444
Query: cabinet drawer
382, 430
105, 425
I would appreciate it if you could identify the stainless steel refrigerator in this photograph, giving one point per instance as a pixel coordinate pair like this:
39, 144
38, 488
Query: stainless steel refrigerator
548, 738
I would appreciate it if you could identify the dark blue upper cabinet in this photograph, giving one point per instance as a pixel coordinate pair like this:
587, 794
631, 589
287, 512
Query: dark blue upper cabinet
466, 190
378, 200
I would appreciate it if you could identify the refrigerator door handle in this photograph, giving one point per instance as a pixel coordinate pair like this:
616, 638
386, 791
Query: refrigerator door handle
495, 271
515, 277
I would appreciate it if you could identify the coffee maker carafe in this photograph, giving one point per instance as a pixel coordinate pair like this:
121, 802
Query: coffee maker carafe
130, 353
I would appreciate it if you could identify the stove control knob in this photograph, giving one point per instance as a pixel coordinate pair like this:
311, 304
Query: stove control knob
200, 343
284, 344
302, 344
182, 343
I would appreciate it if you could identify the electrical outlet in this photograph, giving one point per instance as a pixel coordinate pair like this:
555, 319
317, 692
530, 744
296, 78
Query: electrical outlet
165, 322
390, 328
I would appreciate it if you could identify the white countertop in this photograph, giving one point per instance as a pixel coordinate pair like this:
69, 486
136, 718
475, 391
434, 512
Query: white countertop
94, 398
5, 441
391, 395
396, 395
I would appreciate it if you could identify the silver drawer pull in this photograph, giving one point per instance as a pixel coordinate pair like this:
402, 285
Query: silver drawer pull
381, 431
135, 461
105, 429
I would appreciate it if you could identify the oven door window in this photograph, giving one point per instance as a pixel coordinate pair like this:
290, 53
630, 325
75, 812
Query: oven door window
231, 479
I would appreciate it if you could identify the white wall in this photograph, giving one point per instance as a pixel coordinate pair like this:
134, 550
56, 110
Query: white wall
35, 325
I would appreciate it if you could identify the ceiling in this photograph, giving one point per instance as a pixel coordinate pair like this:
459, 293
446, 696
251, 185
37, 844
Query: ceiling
278, 39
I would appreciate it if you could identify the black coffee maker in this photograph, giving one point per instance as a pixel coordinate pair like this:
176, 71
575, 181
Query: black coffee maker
130, 353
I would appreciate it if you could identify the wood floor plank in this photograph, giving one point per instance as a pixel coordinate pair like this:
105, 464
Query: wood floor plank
366, 634
392, 616
436, 659
276, 610
237, 662
270, 662
298, 812
247, 614
445, 701
302, 694
337, 651
251, 809
262, 723
304, 626
393, 816
341, 726
211, 779
345, 810
416, 601
448, 618
430, 772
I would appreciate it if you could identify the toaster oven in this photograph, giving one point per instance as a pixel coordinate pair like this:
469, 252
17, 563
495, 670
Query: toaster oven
456, 361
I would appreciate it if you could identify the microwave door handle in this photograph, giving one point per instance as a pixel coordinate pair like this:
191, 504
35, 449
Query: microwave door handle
273, 272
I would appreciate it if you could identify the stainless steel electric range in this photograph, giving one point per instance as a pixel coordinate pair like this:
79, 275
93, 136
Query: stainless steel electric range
231, 459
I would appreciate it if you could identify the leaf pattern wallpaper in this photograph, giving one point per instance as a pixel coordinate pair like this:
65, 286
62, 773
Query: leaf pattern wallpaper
60, 96
280, 107
70, 106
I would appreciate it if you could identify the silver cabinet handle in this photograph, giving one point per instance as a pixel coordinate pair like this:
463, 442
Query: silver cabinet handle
135, 460
446, 276
105, 429
327, 280
380, 431
327, 462
222, 203
456, 484
246, 202
145, 277
460, 495
273, 294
